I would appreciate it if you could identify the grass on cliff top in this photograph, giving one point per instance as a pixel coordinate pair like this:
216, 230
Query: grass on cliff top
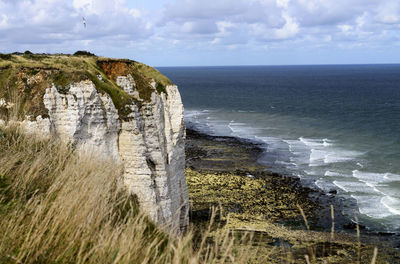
62, 62
18, 74
150, 72
60, 206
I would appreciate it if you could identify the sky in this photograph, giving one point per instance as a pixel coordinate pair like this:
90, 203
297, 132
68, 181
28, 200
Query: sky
208, 32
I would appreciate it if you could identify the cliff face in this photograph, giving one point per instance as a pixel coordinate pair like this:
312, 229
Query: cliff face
123, 113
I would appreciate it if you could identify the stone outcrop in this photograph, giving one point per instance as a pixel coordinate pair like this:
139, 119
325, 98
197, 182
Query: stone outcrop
148, 140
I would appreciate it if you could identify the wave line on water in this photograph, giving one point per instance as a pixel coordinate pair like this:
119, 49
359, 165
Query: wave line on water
327, 161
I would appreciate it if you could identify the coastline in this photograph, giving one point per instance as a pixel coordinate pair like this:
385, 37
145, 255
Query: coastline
230, 154
214, 157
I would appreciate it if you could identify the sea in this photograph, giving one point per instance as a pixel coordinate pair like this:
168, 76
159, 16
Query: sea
336, 127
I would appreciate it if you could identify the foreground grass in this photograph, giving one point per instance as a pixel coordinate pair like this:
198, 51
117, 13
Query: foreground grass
59, 206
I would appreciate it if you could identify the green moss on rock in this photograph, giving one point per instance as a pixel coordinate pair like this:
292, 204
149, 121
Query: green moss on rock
246, 198
143, 86
161, 88
120, 98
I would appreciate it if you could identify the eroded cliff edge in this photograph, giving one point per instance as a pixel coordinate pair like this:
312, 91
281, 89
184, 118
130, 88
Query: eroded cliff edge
120, 108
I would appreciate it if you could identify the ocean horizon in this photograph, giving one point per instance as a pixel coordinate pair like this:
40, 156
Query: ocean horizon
161, 67
334, 126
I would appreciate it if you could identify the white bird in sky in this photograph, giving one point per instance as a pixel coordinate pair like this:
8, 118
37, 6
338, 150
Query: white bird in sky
84, 22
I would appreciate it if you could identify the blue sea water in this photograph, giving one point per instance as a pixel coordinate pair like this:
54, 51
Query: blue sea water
336, 126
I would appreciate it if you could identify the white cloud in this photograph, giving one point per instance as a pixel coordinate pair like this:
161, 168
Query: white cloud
389, 12
112, 25
52, 22
289, 30
274, 20
3, 21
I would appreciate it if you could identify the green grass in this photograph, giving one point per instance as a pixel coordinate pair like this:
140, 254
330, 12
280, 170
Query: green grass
18, 71
120, 98
150, 72
84, 53
161, 88
143, 85
5, 56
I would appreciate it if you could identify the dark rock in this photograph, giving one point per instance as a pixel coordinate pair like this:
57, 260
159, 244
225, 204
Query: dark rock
384, 234
353, 225
281, 243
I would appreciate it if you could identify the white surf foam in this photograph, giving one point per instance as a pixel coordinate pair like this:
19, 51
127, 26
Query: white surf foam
312, 143
372, 206
392, 204
334, 174
391, 177
274, 144
338, 155
241, 130
300, 152
324, 151
327, 142
325, 185
354, 187
376, 178
296, 146
317, 157
192, 114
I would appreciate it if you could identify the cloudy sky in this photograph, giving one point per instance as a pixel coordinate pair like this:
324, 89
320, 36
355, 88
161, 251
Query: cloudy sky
208, 32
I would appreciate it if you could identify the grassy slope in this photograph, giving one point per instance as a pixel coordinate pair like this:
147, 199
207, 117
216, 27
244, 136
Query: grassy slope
58, 206
27, 76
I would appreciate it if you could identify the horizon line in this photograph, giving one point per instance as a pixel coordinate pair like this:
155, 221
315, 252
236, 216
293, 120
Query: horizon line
280, 65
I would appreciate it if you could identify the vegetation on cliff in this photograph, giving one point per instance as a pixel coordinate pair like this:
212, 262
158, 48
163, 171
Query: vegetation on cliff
26, 77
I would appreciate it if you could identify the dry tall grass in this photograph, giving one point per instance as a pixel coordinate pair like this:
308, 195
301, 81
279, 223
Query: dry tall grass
59, 206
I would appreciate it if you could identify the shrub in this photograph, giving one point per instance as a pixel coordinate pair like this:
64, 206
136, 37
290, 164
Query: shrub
84, 53
5, 56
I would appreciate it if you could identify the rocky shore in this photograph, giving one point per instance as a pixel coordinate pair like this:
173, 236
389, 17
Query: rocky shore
224, 172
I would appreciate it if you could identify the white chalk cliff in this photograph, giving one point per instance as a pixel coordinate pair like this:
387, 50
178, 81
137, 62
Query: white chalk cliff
149, 141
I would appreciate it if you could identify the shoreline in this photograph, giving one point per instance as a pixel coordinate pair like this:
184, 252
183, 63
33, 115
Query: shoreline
224, 154
250, 164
